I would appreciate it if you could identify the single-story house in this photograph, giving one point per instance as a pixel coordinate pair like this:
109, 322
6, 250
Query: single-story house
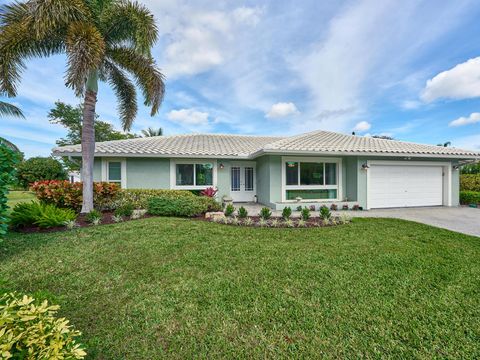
319, 167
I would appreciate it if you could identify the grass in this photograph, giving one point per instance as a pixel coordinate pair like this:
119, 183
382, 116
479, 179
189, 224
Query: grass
15, 197
175, 288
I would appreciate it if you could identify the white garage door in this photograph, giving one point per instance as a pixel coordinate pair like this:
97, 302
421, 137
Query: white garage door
405, 185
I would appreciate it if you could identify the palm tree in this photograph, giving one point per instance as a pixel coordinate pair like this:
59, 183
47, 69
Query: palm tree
7, 109
9, 145
104, 40
152, 132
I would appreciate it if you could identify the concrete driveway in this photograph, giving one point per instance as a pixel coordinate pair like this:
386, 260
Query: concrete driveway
461, 219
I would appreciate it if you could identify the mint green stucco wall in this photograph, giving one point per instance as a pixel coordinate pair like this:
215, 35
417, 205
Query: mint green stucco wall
97, 169
269, 177
148, 173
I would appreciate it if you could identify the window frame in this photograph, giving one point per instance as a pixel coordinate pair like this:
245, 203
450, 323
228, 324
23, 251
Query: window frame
173, 173
123, 171
324, 160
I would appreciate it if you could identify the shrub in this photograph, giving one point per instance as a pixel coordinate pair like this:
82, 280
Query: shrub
139, 197
182, 206
93, 216
69, 195
209, 192
31, 330
42, 215
208, 204
345, 207
242, 212
286, 212
305, 214
325, 213
124, 210
334, 207
470, 182
299, 208
229, 210
312, 207
265, 213
38, 169
8, 159
469, 197
356, 207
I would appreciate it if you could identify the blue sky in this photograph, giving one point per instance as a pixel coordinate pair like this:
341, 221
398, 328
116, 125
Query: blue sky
409, 69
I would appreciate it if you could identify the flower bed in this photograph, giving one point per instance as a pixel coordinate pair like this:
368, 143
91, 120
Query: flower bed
279, 222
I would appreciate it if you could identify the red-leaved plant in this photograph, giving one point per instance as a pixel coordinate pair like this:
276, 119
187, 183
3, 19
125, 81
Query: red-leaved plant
65, 194
209, 192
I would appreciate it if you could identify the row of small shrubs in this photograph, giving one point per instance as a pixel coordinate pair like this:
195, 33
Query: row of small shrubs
182, 206
281, 222
470, 182
40, 214
469, 197
265, 212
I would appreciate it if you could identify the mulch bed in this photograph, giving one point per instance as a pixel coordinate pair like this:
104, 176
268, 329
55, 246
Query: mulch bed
312, 222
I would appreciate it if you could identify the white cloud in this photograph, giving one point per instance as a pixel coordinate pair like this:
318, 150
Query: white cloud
247, 15
411, 104
471, 119
471, 142
282, 109
188, 117
460, 82
362, 126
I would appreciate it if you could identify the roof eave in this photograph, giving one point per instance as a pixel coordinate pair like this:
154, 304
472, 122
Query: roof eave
134, 155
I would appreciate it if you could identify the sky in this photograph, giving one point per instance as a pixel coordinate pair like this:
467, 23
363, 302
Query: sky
407, 69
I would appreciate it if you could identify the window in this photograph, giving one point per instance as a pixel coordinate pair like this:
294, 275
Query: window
235, 178
197, 174
115, 171
248, 178
311, 180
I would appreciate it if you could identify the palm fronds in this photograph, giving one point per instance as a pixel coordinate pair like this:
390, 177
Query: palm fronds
149, 132
7, 109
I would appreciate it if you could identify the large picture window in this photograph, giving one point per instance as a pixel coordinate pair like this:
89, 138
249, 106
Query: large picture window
196, 174
311, 180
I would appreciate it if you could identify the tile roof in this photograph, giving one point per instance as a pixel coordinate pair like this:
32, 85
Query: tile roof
215, 145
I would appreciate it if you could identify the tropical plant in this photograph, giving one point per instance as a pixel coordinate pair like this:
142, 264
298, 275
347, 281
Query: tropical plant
305, 214
471, 169
265, 213
469, 197
248, 222
263, 222
7, 109
31, 330
103, 40
299, 208
242, 212
10, 145
334, 207
117, 218
209, 192
286, 212
325, 213
40, 214
38, 169
8, 160
289, 223
185, 207
229, 210
150, 132
274, 223
93, 216
70, 224
124, 210
301, 223
470, 182
345, 207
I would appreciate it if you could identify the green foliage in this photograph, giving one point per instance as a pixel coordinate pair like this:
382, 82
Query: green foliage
469, 197
471, 169
265, 213
31, 330
470, 182
229, 210
286, 212
299, 208
40, 214
124, 210
182, 207
242, 212
93, 216
325, 213
305, 214
8, 159
139, 197
38, 169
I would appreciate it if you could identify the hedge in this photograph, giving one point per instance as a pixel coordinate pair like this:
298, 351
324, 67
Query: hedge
469, 197
139, 197
182, 206
8, 159
470, 182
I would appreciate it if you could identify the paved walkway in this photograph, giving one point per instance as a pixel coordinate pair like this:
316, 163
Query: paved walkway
461, 219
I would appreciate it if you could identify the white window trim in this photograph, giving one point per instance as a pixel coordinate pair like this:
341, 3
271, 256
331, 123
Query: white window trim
123, 161
338, 187
173, 174
447, 176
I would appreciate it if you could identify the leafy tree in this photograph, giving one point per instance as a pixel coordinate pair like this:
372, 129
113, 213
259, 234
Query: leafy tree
152, 132
471, 169
39, 168
104, 40
8, 159
384, 137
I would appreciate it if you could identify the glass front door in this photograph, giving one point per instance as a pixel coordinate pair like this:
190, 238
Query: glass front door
242, 182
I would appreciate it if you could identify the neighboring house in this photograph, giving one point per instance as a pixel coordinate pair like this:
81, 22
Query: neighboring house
312, 168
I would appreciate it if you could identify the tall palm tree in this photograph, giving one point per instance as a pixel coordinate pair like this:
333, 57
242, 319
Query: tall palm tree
104, 40
7, 109
152, 132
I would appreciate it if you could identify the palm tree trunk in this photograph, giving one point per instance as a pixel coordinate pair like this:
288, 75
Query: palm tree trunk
88, 141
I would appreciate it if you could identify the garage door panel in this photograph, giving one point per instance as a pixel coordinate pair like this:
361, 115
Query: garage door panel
405, 185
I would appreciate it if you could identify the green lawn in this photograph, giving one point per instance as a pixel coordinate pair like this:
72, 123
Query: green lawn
175, 288
15, 197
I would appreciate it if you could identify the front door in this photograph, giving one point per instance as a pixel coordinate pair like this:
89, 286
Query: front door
242, 182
